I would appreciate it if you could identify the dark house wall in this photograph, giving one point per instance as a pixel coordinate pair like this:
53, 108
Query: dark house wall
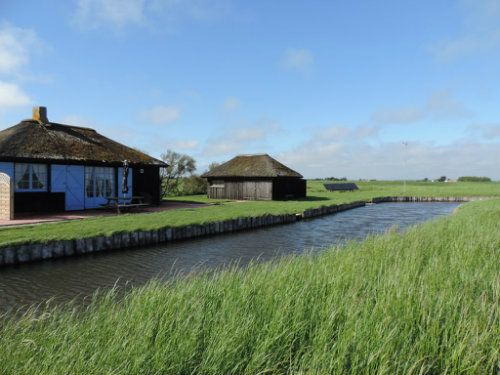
38, 202
146, 182
289, 188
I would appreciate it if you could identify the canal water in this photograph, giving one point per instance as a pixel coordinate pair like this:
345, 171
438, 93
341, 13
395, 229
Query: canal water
69, 278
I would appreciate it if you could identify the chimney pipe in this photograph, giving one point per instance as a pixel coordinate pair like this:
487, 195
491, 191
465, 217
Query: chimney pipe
40, 115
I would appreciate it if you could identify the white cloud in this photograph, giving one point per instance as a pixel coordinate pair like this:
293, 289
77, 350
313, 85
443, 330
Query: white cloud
16, 44
489, 131
122, 134
337, 133
356, 158
366, 131
222, 146
252, 133
231, 103
117, 132
481, 32
467, 45
440, 106
398, 115
161, 114
240, 139
201, 10
115, 14
77, 120
11, 95
299, 59
327, 145
13, 54
118, 15
186, 144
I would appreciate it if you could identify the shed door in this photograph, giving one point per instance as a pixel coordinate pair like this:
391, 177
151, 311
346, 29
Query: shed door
75, 193
68, 179
58, 178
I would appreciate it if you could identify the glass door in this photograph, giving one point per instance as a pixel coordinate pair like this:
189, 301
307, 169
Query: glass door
99, 184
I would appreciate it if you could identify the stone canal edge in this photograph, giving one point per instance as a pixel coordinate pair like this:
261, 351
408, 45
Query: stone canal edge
32, 252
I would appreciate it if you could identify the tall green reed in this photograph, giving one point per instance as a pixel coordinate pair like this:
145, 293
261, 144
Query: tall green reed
421, 301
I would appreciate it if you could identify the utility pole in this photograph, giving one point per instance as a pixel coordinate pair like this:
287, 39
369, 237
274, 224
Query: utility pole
405, 144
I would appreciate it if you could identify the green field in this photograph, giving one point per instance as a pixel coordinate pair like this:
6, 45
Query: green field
316, 196
423, 301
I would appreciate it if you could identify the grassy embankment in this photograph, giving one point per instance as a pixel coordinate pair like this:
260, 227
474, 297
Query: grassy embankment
316, 196
423, 301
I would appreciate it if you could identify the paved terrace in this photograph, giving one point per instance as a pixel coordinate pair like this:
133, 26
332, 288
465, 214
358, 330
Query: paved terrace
36, 218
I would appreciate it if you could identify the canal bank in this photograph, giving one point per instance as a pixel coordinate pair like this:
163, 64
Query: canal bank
67, 278
32, 252
403, 302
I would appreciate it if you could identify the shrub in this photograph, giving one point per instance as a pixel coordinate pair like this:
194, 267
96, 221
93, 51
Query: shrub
194, 184
474, 179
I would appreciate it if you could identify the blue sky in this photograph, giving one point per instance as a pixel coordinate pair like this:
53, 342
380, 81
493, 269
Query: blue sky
328, 87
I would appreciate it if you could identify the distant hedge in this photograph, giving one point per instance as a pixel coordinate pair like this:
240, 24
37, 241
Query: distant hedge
474, 179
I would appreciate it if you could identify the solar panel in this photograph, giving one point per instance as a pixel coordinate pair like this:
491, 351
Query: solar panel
341, 187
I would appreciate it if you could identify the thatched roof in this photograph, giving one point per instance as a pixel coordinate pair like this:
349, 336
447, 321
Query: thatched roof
54, 142
258, 165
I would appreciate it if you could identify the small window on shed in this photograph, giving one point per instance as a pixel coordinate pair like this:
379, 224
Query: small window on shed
217, 184
30, 177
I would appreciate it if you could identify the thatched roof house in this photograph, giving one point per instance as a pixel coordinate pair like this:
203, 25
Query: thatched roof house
33, 141
64, 167
254, 177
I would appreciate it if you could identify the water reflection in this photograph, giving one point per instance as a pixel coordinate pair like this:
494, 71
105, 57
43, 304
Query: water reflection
68, 278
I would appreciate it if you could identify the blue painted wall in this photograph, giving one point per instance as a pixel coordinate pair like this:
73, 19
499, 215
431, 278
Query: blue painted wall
7, 168
58, 178
69, 179
75, 191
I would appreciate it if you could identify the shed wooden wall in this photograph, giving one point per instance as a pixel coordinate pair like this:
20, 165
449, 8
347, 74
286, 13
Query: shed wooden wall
243, 190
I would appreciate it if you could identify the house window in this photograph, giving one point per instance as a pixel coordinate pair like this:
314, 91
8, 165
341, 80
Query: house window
99, 182
30, 177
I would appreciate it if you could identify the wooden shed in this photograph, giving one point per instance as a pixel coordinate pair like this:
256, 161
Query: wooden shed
57, 167
254, 177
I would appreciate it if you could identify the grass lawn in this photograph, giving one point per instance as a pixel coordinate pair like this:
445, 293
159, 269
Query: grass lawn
423, 301
316, 196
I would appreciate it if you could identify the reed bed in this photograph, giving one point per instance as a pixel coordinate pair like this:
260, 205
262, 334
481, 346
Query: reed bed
423, 301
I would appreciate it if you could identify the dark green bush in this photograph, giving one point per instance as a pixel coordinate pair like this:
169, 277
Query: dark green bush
474, 179
194, 184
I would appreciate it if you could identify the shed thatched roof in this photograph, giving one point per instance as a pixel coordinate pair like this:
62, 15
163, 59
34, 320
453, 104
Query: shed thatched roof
258, 165
54, 142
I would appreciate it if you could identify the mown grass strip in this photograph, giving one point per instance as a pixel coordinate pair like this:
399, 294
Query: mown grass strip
317, 197
423, 301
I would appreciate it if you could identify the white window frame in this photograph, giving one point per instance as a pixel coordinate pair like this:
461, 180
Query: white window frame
33, 169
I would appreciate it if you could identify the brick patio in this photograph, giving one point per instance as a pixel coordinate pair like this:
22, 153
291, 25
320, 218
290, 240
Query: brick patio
36, 218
